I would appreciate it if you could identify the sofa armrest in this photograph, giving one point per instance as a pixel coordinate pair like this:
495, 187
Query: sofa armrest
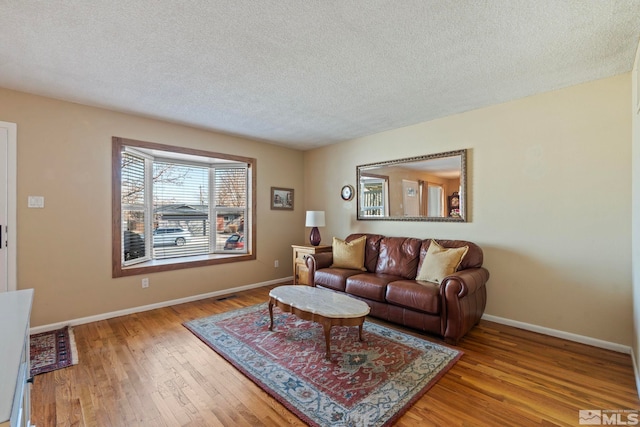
464, 282
315, 262
464, 297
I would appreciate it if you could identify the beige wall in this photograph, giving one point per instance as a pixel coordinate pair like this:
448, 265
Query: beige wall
559, 256
64, 250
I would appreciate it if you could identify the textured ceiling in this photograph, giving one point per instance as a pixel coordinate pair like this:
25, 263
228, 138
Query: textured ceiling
309, 73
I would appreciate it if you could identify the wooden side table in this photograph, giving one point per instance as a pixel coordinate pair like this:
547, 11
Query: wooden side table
300, 253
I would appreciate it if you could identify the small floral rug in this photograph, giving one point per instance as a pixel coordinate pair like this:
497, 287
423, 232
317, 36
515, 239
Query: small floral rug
52, 350
366, 383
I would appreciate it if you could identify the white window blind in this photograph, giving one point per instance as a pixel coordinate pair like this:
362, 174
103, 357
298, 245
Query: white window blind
167, 205
230, 210
134, 211
180, 210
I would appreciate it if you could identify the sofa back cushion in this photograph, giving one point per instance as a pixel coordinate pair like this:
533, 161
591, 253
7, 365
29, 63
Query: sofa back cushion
371, 250
399, 256
473, 258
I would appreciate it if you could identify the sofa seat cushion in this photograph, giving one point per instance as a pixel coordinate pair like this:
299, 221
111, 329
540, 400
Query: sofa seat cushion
334, 278
371, 286
422, 296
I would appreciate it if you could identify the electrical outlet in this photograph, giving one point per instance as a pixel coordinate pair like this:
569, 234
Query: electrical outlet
145, 282
35, 202
276, 263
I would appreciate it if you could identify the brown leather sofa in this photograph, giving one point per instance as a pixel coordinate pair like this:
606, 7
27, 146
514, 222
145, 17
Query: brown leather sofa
449, 309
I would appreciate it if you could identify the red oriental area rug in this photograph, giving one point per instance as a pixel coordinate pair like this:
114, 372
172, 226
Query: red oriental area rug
52, 350
366, 383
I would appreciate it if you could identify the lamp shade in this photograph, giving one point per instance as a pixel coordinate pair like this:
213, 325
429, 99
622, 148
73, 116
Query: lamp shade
315, 219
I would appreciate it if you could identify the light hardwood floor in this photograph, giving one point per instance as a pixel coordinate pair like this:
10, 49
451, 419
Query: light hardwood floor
146, 369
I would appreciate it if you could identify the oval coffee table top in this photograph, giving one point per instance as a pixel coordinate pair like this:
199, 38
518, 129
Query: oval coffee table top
320, 301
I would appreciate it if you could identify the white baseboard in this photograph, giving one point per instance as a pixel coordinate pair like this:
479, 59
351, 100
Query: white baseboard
560, 334
104, 316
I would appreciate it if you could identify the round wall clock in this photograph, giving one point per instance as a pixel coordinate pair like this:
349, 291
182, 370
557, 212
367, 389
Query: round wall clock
347, 192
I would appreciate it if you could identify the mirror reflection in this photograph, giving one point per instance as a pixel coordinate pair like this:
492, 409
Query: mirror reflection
424, 188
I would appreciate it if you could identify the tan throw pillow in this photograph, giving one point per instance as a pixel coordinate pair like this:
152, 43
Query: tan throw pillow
349, 254
439, 262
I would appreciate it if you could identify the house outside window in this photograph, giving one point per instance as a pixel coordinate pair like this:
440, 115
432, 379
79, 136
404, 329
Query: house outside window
165, 199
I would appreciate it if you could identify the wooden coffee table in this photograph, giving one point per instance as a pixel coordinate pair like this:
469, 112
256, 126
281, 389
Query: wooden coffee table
321, 306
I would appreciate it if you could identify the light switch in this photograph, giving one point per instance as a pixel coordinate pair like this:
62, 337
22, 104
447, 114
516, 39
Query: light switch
36, 202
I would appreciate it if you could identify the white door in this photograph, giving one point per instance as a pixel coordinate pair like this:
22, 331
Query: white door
435, 200
7, 207
410, 198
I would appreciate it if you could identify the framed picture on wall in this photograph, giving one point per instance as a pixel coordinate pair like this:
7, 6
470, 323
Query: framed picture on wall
282, 198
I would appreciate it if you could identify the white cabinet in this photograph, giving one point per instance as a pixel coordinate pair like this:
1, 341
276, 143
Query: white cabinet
15, 311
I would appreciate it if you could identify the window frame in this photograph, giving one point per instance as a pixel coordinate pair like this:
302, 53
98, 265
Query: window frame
384, 207
151, 265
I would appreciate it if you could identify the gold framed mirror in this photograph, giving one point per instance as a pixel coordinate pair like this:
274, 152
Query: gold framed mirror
432, 187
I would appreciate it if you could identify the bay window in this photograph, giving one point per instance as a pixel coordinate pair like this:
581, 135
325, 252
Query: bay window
178, 208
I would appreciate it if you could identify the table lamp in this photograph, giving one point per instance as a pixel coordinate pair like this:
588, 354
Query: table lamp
315, 219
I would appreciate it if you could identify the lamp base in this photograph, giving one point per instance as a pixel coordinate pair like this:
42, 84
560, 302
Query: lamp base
314, 237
